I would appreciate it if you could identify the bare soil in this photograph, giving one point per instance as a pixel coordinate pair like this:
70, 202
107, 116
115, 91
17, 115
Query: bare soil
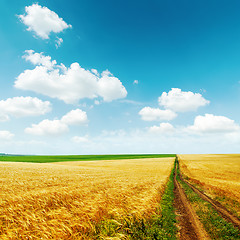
217, 206
190, 227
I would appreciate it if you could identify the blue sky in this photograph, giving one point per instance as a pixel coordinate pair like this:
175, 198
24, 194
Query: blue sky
99, 77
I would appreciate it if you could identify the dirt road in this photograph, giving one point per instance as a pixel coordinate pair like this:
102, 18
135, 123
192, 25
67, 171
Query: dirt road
216, 205
189, 225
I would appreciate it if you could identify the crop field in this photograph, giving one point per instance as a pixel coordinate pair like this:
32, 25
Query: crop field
79, 199
212, 186
151, 197
60, 158
218, 175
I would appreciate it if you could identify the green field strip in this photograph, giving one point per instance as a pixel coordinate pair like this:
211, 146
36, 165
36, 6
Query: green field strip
65, 158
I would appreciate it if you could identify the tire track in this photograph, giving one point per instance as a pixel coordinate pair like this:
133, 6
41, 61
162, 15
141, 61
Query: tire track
190, 226
227, 215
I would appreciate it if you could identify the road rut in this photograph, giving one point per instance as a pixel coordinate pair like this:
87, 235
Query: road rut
216, 205
190, 226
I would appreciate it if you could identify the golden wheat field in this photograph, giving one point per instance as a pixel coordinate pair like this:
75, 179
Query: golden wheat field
67, 200
219, 174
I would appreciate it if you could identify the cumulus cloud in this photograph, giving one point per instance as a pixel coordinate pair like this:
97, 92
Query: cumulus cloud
95, 71
135, 82
156, 114
78, 139
58, 127
75, 117
4, 117
118, 133
58, 42
39, 59
22, 107
6, 135
162, 128
110, 87
68, 84
42, 21
210, 123
180, 101
47, 127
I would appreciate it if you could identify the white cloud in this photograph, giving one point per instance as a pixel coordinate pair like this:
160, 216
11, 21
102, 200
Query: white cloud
131, 102
39, 59
23, 106
75, 117
179, 101
118, 133
162, 128
6, 135
156, 114
95, 71
78, 139
47, 127
58, 41
96, 102
213, 124
42, 21
110, 87
68, 84
4, 117
58, 127
135, 82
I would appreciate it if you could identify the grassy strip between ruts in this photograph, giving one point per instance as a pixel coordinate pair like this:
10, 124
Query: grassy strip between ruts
162, 225
215, 225
221, 196
65, 158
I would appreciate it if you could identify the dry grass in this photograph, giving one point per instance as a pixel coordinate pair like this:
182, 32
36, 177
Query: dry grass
67, 200
218, 174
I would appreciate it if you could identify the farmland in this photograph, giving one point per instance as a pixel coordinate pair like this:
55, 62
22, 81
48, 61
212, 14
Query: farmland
120, 197
79, 199
217, 175
211, 183
62, 158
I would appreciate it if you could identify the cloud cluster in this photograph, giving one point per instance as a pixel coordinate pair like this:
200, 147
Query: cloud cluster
156, 114
6, 135
162, 128
68, 84
75, 117
58, 42
180, 101
58, 127
42, 21
174, 101
167, 139
23, 107
210, 123
39, 59
78, 139
47, 127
